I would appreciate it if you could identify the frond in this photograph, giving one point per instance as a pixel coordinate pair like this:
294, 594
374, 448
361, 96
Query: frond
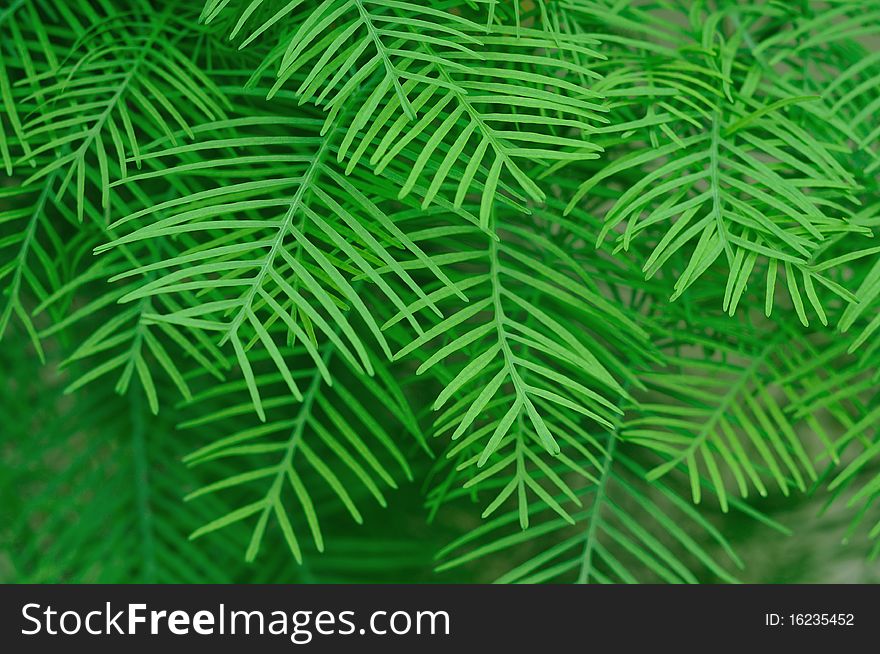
33, 45
628, 531
280, 241
29, 247
123, 80
720, 409
536, 352
123, 342
339, 443
735, 180
445, 84
867, 305
841, 385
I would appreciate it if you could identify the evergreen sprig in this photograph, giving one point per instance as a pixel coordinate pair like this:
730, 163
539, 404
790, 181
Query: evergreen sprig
578, 283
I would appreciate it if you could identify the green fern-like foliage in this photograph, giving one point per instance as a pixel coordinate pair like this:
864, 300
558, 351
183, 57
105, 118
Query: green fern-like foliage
472, 290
